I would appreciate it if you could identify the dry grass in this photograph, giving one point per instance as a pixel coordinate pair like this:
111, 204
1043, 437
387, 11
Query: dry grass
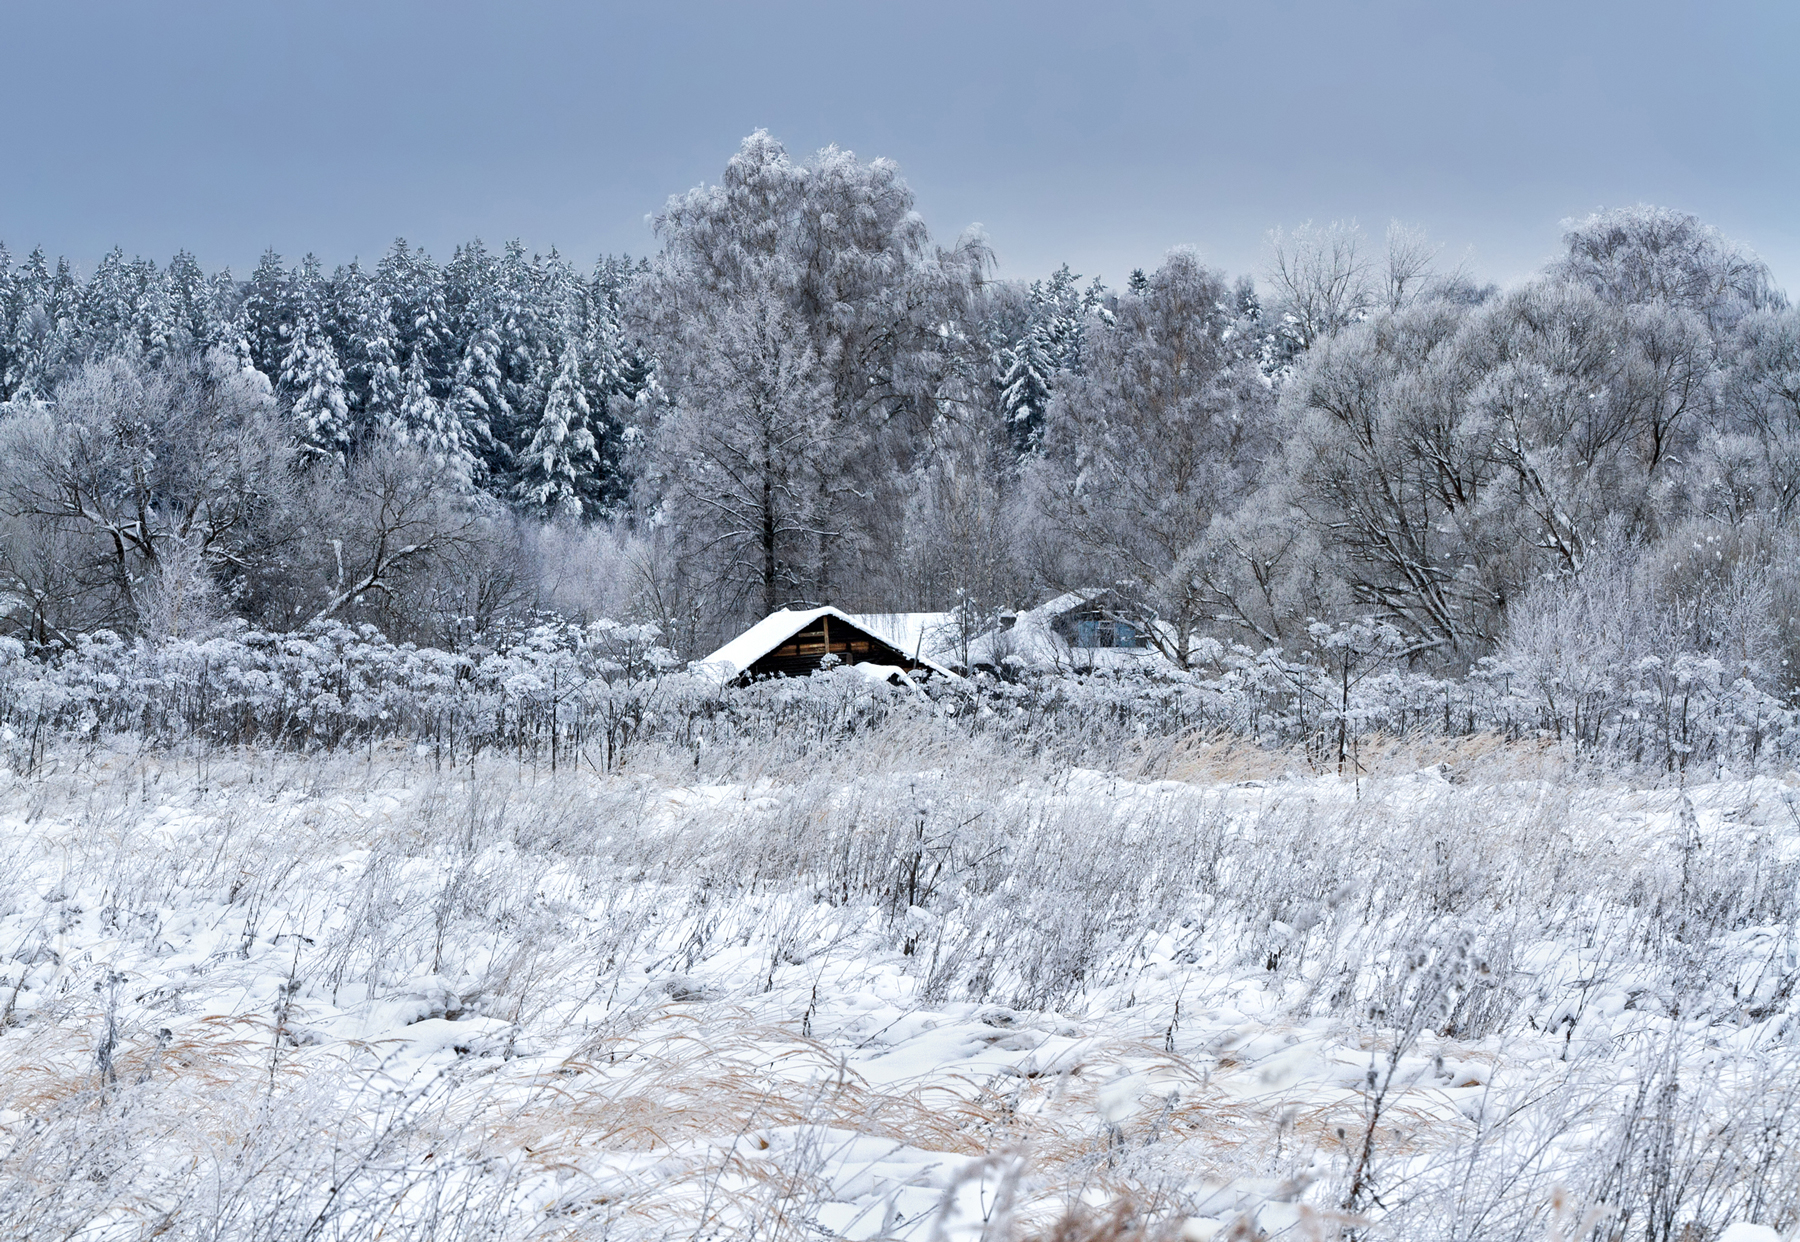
530, 900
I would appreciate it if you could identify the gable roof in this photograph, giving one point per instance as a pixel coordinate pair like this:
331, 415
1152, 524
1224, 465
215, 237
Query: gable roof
733, 659
921, 635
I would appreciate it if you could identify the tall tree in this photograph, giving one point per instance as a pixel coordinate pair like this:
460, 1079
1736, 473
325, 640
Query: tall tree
434, 427
312, 377
836, 244
557, 464
750, 461
1160, 433
268, 314
365, 323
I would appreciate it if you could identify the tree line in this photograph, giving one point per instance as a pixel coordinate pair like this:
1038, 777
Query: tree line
802, 396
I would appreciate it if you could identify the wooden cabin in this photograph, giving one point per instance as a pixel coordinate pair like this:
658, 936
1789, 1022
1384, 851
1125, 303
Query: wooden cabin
794, 643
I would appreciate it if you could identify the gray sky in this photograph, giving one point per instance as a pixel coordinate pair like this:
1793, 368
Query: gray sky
1099, 134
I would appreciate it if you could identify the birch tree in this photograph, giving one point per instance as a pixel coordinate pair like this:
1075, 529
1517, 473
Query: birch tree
1162, 431
832, 251
750, 462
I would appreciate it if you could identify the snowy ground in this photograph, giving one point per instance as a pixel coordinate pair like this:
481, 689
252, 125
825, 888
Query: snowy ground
906, 991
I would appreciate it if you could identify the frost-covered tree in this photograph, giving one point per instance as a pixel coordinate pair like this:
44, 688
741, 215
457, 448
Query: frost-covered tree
557, 465
1446, 455
835, 243
748, 463
1162, 431
1641, 255
313, 379
1322, 279
133, 465
268, 306
1377, 465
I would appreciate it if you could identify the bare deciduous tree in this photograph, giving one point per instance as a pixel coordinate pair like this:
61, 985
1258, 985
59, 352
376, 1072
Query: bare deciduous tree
1160, 434
1322, 279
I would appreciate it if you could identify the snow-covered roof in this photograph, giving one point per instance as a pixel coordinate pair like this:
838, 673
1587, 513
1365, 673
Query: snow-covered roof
1033, 642
922, 635
730, 661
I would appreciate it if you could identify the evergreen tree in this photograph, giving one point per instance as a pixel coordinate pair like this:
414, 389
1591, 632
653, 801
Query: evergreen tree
477, 403
11, 305
1025, 387
269, 314
617, 382
1057, 316
312, 377
188, 300
374, 387
526, 358
158, 327
558, 464
430, 424
32, 331
47, 339
475, 399
413, 288
227, 324
109, 309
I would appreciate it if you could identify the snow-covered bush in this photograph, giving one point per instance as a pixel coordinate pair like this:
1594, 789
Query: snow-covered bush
560, 692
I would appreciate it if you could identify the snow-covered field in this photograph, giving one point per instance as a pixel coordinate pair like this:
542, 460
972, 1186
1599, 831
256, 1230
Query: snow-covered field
909, 985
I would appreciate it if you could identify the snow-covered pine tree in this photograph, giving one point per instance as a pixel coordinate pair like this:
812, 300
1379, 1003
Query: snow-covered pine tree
476, 403
158, 327
1057, 316
1063, 308
558, 464
527, 354
413, 287
371, 355
188, 300
432, 426
24, 378
312, 377
1025, 386
476, 398
227, 326
11, 305
46, 338
617, 379
268, 307
109, 309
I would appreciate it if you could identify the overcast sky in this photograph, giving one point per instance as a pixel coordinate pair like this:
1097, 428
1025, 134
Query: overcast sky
1097, 134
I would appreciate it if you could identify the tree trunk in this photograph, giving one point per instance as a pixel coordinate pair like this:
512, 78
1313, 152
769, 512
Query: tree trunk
768, 526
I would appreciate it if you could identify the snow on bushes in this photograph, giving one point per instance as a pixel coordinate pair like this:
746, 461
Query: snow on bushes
563, 692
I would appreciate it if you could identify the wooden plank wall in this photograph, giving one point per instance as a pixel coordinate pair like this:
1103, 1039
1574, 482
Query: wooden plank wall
802, 653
